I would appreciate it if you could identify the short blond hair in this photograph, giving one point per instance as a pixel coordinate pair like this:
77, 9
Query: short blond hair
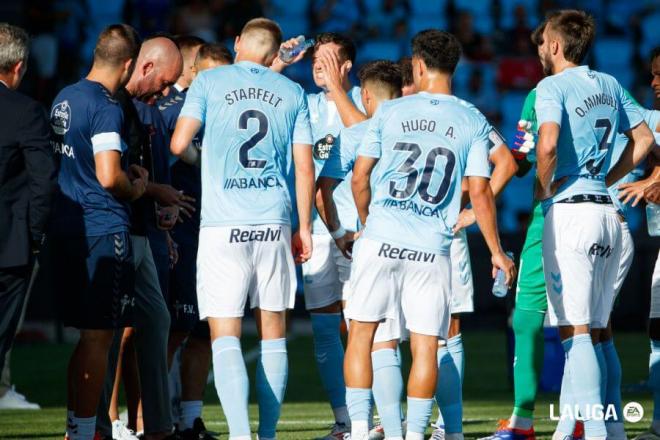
263, 32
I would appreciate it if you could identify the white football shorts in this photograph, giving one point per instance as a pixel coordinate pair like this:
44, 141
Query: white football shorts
326, 274
235, 263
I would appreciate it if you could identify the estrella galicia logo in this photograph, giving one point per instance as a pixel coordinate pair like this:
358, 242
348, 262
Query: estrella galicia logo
323, 146
60, 118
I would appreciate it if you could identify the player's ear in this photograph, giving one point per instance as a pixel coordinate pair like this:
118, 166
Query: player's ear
237, 43
147, 68
348, 65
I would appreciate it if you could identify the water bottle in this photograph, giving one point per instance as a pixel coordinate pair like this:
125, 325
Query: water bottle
499, 287
653, 219
287, 55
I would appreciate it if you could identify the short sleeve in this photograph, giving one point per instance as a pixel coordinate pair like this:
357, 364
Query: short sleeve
629, 112
105, 129
652, 119
477, 161
495, 139
549, 103
302, 129
196, 99
371, 145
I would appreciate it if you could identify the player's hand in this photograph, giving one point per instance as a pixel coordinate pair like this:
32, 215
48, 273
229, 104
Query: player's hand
345, 244
634, 192
167, 217
137, 172
525, 142
333, 73
540, 194
138, 187
502, 261
652, 193
466, 218
278, 65
172, 251
301, 246
167, 195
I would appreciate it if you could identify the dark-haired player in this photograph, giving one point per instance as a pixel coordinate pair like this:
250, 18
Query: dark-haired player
579, 112
94, 264
211, 55
325, 276
424, 144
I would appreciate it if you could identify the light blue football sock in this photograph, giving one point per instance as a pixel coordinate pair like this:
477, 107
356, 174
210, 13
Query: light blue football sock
272, 373
387, 390
654, 376
358, 401
613, 392
448, 390
602, 365
419, 414
329, 353
585, 381
566, 425
231, 383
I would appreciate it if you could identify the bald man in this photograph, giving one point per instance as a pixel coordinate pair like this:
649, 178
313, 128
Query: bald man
158, 66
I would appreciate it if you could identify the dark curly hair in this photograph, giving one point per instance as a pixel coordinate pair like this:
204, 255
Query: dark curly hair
440, 50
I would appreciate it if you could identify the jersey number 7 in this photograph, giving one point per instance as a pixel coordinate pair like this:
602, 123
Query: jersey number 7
592, 166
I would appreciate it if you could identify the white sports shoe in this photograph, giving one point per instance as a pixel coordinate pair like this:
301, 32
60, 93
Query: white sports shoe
377, 433
15, 400
438, 433
338, 432
121, 432
648, 435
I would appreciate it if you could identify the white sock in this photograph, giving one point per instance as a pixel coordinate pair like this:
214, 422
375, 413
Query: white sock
359, 429
454, 436
84, 428
341, 415
518, 422
655, 426
414, 435
190, 410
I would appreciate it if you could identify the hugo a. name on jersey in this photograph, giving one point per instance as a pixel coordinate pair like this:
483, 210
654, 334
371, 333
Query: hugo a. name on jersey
251, 117
590, 108
426, 143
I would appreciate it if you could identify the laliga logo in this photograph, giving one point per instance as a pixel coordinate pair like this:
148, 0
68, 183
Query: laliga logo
633, 412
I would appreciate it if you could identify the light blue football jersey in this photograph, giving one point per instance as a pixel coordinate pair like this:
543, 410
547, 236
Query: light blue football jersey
591, 108
652, 119
339, 165
251, 118
426, 143
326, 125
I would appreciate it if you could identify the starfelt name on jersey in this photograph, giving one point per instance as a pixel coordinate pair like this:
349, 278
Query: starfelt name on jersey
252, 182
258, 94
596, 100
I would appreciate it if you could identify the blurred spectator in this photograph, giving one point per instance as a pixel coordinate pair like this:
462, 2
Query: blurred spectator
336, 15
233, 15
149, 16
384, 21
476, 47
195, 18
481, 93
44, 48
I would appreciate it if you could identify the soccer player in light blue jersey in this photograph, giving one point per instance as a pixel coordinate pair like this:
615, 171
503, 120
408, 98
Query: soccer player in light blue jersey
415, 153
256, 123
579, 111
379, 81
326, 274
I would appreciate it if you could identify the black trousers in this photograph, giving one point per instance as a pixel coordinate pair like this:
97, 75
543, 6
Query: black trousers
13, 289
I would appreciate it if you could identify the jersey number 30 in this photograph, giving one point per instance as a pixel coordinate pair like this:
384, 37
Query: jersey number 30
427, 173
243, 120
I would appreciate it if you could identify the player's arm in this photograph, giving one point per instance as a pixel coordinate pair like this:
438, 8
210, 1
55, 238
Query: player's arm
181, 144
361, 185
334, 79
278, 65
546, 158
325, 204
639, 145
113, 179
304, 174
483, 204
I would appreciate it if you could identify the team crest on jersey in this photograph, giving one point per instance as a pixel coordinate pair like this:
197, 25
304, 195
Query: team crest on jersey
323, 146
60, 118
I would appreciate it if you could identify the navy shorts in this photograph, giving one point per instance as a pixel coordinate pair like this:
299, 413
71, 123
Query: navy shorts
94, 280
183, 289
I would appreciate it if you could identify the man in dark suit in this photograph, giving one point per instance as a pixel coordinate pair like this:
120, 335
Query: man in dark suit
27, 181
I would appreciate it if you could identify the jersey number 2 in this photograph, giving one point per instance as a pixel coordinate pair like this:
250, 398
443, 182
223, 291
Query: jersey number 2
243, 158
427, 173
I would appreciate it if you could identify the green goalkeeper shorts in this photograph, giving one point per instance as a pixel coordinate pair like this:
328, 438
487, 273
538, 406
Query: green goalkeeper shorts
530, 293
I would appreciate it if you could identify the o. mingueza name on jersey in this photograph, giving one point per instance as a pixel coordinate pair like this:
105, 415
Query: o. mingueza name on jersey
395, 253
238, 235
253, 93
595, 101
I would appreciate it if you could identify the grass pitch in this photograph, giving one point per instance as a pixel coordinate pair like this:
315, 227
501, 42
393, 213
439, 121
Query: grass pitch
39, 372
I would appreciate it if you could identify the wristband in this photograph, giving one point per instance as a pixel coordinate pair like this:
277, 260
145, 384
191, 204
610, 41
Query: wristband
339, 233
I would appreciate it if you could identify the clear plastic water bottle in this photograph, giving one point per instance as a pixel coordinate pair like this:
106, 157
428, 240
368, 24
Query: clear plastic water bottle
287, 55
653, 219
499, 286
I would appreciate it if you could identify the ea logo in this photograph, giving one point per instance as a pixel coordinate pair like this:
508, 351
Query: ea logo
60, 118
633, 412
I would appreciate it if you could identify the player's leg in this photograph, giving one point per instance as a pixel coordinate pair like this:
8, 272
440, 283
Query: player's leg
387, 379
272, 293
654, 358
224, 274
195, 363
322, 290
